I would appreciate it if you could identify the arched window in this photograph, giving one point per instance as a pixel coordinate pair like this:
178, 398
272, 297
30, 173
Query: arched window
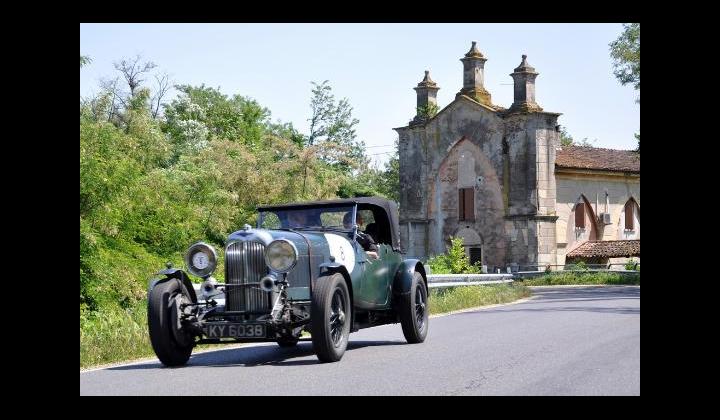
580, 215
581, 224
630, 214
630, 221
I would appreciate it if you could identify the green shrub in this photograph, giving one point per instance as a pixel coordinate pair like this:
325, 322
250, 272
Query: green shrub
632, 265
578, 266
455, 261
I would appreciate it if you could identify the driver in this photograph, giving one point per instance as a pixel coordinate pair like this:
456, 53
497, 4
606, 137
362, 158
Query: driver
297, 219
364, 239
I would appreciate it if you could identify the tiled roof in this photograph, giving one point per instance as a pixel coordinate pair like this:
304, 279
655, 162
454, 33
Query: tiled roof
584, 157
610, 249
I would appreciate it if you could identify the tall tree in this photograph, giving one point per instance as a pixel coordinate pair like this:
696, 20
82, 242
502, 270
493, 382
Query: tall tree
134, 71
332, 122
625, 52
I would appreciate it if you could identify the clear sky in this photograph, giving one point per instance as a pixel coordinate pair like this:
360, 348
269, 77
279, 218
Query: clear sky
376, 66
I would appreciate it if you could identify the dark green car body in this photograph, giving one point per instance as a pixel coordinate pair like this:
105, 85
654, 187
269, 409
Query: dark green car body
277, 305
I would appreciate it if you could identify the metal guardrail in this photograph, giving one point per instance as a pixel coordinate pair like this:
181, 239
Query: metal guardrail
452, 280
436, 281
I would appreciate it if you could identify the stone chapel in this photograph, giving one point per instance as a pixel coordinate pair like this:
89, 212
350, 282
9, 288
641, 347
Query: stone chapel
499, 178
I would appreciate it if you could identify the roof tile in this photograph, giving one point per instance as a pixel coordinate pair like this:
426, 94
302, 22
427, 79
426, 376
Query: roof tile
585, 157
610, 249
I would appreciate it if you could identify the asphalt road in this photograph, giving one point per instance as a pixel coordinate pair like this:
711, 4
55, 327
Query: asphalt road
563, 341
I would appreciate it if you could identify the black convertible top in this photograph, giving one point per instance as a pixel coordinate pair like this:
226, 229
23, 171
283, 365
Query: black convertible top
389, 207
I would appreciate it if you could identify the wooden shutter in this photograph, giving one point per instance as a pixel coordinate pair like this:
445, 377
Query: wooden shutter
580, 215
469, 203
461, 204
629, 216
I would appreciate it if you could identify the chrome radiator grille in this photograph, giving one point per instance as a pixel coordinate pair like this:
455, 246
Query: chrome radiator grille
245, 263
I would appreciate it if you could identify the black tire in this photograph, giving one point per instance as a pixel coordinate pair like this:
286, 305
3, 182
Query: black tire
330, 311
172, 347
288, 341
413, 310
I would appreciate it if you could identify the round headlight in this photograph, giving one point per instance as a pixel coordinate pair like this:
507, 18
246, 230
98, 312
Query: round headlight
201, 259
281, 255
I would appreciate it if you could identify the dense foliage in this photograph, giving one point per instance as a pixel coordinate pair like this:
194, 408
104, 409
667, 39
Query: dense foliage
154, 179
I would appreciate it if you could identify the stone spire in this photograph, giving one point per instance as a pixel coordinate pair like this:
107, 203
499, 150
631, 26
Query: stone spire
426, 99
474, 76
524, 80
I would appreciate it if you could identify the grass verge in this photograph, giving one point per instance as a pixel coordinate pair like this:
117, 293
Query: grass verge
463, 297
579, 278
119, 335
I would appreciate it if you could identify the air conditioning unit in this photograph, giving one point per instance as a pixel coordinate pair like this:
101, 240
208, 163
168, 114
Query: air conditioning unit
605, 218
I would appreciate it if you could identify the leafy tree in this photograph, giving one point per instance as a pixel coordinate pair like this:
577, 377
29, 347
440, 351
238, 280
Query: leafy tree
567, 140
118, 92
286, 131
238, 118
332, 122
625, 52
85, 60
390, 182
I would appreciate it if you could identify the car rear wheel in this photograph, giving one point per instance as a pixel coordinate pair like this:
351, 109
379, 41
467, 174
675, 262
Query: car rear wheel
330, 314
171, 345
414, 312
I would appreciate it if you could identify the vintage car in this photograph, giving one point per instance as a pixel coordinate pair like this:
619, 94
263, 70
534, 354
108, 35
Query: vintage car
302, 268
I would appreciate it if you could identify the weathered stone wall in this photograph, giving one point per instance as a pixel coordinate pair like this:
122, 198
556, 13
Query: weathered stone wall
507, 161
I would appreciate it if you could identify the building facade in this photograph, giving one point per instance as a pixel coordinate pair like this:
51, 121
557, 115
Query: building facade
498, 178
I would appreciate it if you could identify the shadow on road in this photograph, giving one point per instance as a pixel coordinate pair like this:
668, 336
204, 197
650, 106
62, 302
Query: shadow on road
266, 355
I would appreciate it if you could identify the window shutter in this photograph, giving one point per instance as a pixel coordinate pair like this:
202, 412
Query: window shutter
461, 204
469, 204
629, 216
580, 215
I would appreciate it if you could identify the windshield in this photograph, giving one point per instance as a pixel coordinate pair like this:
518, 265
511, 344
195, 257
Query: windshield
321, 218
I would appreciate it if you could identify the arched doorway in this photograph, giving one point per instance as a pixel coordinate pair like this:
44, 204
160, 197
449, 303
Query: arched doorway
472, 243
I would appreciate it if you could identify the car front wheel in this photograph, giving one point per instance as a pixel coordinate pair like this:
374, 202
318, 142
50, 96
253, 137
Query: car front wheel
330, 313
171, 345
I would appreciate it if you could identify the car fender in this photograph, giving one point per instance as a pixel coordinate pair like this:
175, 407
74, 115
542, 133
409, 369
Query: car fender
174, 273
404, 275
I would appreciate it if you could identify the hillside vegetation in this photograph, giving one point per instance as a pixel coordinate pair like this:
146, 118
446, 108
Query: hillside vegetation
158, 175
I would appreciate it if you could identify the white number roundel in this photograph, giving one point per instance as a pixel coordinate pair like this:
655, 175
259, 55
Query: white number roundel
342, 250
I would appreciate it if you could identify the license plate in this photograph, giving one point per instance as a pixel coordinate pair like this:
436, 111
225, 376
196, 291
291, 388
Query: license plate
234, 330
